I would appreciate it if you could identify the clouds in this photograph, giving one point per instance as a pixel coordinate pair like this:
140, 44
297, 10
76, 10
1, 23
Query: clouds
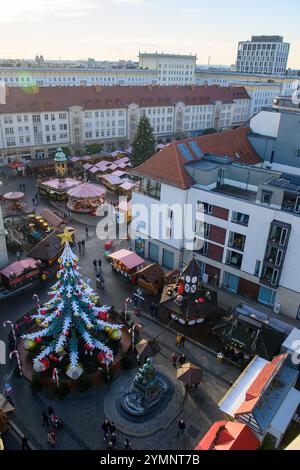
38, 10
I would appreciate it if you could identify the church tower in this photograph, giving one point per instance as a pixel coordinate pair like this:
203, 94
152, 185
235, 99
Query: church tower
61, 163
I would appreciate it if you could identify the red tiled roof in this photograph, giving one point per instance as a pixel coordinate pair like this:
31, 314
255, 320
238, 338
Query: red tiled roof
97, 97
256, 389
235, 436
168, 165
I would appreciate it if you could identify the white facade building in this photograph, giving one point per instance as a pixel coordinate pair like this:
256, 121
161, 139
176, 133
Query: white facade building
58, 76
262, 89
33, 125
173, 69
263, 55
247, 244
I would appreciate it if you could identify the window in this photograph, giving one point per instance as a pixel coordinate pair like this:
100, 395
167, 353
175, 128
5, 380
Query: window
206, 230
257, 268
204, 249
207, 208
266, 197
234, 259
240, 218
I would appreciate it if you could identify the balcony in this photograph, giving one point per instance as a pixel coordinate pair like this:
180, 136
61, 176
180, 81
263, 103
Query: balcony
291, 203
270, 276
234, 259
278, 235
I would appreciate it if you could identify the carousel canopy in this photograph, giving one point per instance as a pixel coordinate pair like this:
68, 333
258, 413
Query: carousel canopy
13, 196
128, 258
86, 191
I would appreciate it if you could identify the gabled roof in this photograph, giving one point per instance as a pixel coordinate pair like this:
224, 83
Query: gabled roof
113, 97
260, 384
168, 165
227, 435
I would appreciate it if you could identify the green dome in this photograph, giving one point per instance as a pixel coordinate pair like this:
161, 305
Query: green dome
60, 156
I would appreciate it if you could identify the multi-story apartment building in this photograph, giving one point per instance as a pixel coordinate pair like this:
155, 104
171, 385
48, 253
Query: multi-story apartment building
173, 69
32, 125
263, 55
261, 88
68, 76
244, 219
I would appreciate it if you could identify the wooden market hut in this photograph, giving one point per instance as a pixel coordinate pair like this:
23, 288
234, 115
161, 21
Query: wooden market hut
126, 263
47, 250
20, 273
151, 277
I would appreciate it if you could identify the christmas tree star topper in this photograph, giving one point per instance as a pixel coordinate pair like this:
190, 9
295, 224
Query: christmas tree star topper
66, 236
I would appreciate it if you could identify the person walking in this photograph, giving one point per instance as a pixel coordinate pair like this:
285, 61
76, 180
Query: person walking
182, 341
45, 419
174, 359
127, 444
52, 439
50, 411
79, 246
112, 428
83, 245
110, 446
152, 309
178, 339
86, 232
113, 439
105, 427
25, 445
100, 264
181, 427
182, 359
95, 264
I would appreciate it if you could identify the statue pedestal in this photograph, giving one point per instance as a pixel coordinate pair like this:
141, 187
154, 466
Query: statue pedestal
141, 398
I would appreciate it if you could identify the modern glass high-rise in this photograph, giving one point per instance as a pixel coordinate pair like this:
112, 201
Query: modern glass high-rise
266, 55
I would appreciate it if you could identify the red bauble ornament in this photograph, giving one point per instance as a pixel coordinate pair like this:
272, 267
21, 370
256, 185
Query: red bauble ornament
102, 316
43, 312
38, 340
66, 333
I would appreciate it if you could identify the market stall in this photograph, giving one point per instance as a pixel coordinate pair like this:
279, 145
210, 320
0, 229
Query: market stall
20, 273
86, 197
111, 182
126, 263
57, 188
151, 277
48, 249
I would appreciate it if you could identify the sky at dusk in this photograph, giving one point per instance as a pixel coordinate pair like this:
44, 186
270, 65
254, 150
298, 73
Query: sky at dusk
119, 29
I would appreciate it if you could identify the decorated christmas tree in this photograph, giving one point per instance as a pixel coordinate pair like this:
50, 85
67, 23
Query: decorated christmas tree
71, 323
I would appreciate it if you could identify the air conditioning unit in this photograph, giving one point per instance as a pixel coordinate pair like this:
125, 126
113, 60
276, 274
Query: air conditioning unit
277, 309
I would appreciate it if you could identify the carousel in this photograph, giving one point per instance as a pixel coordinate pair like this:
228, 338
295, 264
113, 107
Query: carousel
14, 200
86, 198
